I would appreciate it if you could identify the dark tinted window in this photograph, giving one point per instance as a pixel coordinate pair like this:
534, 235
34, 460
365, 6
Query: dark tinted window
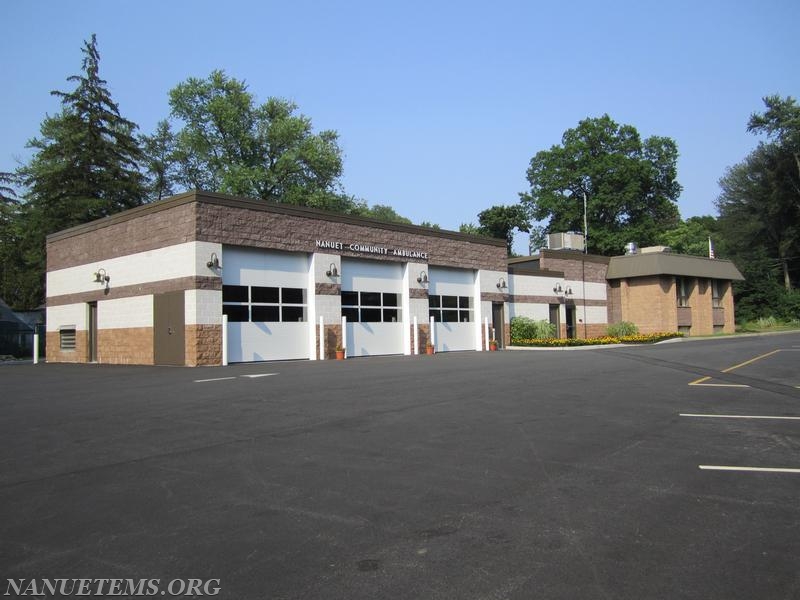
370, 299
293, 295
234, 293
293, 313
370, 315
390, 299
236, 313
264, 294
349, 298
269, 314
449, 302
351, 314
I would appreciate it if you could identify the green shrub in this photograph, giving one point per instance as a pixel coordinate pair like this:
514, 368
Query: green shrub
525, 328
622, 329
766, 322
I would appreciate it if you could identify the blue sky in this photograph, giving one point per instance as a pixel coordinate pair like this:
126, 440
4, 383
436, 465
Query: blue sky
439, 105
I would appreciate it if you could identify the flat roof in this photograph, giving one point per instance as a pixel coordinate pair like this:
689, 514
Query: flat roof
664, 263
264, 205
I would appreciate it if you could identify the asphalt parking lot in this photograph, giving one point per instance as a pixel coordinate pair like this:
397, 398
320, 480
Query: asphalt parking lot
666, 471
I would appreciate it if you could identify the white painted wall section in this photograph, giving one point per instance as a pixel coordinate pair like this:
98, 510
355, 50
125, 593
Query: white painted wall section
123, 313
172, 262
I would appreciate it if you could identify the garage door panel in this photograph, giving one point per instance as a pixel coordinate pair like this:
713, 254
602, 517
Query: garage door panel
270, 295
373, 339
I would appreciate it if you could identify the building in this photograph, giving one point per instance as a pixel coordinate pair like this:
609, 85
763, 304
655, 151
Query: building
151, 285
661, 291
203, 279
566, 287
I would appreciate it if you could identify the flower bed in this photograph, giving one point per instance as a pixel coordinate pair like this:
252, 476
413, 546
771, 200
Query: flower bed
639, 338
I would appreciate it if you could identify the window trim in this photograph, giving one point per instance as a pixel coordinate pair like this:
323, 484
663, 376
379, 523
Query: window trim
250, 304
361, 308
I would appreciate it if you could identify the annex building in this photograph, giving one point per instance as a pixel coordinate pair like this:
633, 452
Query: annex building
206, 279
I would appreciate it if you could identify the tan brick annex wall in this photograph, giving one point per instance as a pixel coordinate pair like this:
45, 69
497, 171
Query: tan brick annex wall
650, 303
54, 353
130, 346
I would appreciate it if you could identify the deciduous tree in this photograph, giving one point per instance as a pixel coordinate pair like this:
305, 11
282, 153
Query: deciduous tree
630, 185
229, 143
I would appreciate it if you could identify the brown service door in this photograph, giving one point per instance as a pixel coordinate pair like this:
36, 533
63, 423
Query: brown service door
168, 326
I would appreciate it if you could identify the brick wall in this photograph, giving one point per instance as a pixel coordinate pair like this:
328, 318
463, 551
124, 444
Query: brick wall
574, 265
294, 233
54, 353
138, 230
650, 303
131, 346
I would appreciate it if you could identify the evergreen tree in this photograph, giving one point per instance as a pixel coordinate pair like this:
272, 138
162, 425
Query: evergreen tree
85, 166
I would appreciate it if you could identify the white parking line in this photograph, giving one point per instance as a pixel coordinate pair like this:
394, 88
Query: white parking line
259, 375
214, 379
756, 469
738, 417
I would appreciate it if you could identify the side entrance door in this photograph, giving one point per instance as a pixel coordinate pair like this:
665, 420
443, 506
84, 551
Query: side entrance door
498, 321
168, 329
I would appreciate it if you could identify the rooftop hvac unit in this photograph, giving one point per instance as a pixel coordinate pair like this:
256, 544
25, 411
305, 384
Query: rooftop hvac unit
565, 241
631, 248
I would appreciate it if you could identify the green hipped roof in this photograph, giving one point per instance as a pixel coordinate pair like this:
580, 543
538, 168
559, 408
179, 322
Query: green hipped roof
664, 263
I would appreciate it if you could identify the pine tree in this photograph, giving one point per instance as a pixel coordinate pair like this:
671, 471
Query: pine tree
85, 166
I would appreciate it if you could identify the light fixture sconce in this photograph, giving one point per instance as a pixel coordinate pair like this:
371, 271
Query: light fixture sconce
213, 263
568, 291
501, 284
332, 271
423, 278
558, 289
102, 277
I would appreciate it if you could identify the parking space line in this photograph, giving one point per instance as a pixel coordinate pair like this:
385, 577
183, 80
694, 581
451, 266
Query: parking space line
258, 375
753, 469
752, 360
738, 417
214, 379
700, 382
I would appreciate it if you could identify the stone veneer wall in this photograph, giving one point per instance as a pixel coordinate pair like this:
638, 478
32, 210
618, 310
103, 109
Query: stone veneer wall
242, 226
122, 236
203, 345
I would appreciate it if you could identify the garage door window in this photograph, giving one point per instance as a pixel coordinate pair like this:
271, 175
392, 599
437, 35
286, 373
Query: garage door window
370, 307
450, 309
260, 304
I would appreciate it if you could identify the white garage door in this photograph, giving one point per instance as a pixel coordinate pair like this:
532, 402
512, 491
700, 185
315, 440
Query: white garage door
265, 295
371, 301
451, 302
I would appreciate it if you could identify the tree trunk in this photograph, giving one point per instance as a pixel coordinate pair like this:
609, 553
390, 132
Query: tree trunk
787, 282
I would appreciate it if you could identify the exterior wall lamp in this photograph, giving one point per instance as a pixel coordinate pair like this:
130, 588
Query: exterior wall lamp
559, 290
423, 278
501, 284
332, 271
101, 277
213, 263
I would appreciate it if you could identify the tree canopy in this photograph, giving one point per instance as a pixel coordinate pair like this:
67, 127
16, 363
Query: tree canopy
231, 144
630, 185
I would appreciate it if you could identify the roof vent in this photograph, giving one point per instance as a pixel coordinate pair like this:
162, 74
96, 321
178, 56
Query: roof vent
631, 248
655, 250
565, 241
